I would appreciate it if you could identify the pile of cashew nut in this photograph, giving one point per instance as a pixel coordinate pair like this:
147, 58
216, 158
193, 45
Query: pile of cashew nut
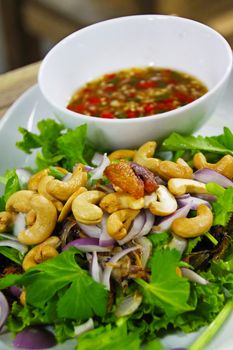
47, 200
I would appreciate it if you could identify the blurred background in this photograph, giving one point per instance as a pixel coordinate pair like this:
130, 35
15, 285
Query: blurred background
29, 28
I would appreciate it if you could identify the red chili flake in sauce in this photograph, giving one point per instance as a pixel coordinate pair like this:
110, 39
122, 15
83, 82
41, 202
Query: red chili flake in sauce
149, 108
136, 92
132, 114
77, 108
94, 100
146, 84
110, 76
107, 115
110, 88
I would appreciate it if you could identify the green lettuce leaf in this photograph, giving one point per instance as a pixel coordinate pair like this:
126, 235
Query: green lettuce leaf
24, 316
166, 290
226, 138
9, 280
223, 206
159, 240
30, 141
105, 338
153, 345
64, 330
72, 146
57, 145
192, 242
208, 299
49, 130
12, 254
79, 297
221, 144
12, 185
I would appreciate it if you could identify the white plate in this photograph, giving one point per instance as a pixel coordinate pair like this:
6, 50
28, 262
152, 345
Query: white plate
26, 112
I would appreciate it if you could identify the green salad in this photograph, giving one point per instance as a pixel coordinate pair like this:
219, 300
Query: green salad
118, 249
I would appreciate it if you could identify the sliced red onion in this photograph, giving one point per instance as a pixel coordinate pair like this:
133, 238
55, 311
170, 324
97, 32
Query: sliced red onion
34, 338
165, 224
93, 231
209, 175
146, 247
89, 257
84, 327
97, 159
96, 270
206, 197
194, 201
23, 176
193, 276
4, 309
105, 240
14, 244
88, 168
178, 243
67, 177
128, 305
15, 291
108, 269
87, 245
183, 196
19, 224
149, 222
136, 228
8, 236
97, 173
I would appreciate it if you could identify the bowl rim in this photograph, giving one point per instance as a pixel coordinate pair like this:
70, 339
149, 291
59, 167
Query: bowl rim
150, 17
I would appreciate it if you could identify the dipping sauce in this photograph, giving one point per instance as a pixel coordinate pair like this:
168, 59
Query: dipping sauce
136, 92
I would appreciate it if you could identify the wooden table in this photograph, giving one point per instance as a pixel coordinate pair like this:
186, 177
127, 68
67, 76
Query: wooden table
14, 83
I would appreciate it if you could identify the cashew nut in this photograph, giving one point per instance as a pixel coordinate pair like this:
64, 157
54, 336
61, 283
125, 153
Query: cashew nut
182, 186
85, 209
67, 207
46, 215
224, 166
119, 222
34, 180
31, 217
180, 169
120, 200
62, 190
121, 154
41, 252
163, 203
193, 227
20, 201
6, 221
42, 189
164, 168
144, 156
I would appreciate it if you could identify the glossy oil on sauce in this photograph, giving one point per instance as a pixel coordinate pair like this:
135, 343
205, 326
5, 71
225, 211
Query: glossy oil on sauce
136, 92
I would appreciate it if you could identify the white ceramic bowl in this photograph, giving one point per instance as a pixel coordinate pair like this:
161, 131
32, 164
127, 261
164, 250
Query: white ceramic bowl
137, 41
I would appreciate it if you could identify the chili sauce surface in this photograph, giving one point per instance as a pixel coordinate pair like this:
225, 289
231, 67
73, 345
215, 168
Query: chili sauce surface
136, 92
